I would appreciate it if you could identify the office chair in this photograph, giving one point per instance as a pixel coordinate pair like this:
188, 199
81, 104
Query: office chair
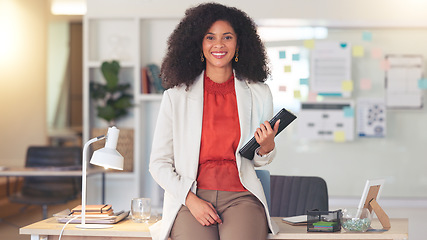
295, 195
45, 191
264, 177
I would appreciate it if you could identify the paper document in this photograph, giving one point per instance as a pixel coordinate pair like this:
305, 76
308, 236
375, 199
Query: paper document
332, 121
402, 78
330, 67
371, 117
296, 220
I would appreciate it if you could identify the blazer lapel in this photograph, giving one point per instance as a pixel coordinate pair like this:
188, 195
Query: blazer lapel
195, 117
244, 106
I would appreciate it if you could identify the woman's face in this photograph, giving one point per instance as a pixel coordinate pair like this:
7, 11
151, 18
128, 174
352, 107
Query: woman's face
219, 45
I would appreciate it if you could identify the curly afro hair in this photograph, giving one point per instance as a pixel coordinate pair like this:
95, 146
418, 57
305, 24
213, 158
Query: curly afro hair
182, 63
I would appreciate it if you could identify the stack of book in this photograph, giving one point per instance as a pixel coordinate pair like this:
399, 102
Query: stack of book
150, 79
94, 216
103, 210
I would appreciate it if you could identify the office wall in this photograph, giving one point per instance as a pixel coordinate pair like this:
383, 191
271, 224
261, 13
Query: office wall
23, 40
395, 12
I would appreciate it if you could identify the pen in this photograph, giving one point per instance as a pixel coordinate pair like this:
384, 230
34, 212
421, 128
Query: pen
118, 213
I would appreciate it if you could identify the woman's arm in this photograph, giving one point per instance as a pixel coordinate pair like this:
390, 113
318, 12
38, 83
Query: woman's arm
162, 160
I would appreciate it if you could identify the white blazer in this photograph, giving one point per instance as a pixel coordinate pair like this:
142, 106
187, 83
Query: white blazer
176, 145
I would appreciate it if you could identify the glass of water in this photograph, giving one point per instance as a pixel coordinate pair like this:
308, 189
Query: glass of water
141, 209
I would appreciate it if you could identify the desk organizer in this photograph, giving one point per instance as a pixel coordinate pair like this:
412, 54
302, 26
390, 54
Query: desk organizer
324, 221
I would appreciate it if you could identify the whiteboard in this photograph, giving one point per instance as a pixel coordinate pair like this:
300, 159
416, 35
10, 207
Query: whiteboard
400, 157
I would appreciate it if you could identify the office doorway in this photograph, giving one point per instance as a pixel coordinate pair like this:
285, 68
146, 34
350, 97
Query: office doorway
64, 83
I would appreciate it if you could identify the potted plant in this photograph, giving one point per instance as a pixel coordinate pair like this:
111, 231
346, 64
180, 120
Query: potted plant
112, 98
113, 101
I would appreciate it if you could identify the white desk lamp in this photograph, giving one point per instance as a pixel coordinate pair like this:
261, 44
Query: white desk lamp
107, 157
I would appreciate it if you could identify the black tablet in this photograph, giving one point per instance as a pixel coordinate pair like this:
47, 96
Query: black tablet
286, 117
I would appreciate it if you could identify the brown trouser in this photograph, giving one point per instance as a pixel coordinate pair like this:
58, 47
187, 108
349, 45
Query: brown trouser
243, 217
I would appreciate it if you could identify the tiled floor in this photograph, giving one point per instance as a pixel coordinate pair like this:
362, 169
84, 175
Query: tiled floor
12, 218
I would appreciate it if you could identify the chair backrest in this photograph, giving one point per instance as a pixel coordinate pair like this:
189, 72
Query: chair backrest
264, 177
295, 195
53, 157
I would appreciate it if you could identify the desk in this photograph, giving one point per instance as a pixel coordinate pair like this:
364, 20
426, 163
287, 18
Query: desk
128, 230
50, 172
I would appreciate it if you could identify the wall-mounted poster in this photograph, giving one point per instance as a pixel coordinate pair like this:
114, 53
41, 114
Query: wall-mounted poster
401, 81
332, 121
331, 69
371, 117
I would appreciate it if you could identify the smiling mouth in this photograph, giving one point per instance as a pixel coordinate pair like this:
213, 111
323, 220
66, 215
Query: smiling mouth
219, 54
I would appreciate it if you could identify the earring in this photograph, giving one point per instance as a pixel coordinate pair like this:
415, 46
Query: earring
201, 57
236, 59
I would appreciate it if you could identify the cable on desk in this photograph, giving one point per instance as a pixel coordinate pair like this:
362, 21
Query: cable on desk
62, 230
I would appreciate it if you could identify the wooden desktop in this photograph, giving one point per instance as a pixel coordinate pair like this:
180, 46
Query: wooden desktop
128, 230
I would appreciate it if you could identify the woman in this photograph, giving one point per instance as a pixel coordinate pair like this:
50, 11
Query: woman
216, 101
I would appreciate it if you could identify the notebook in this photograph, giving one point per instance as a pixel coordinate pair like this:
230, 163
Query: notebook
286, 117
299, 220
65, 216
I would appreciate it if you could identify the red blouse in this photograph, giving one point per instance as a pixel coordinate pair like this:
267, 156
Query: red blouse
220, 138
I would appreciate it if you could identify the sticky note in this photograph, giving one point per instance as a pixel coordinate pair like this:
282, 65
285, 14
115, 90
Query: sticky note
358, 51
282, 54
347, 86
282, 88
309, 44
422, 83
288, 68
367, 36
297, 94
376, 53
303, 81
295, 57
365, 84
339, 136
385, 65
348, 112
312, 96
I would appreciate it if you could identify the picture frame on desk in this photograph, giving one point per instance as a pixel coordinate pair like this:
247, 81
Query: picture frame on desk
371, 191
370, 195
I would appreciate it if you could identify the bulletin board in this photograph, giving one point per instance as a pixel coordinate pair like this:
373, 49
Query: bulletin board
394, 149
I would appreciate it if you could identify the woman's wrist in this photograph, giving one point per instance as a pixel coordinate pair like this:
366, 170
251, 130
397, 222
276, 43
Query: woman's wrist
262, 151
190, 197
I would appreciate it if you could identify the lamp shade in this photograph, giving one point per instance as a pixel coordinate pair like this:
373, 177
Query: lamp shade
108, 156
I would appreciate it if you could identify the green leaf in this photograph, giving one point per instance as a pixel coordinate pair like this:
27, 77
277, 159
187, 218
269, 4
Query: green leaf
97, 90
110, 71
107, 113
121, 113
123, 102
123, 87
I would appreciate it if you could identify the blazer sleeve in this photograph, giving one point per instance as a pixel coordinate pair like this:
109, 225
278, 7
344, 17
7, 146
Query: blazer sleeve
162, 154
